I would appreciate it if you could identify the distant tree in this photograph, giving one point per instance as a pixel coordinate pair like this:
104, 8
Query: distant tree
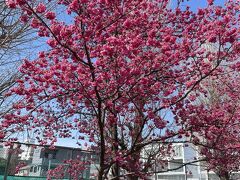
17, 41
114, 69
12, 34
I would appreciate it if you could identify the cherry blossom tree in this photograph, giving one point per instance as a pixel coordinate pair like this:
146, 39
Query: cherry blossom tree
217, 119
114, 69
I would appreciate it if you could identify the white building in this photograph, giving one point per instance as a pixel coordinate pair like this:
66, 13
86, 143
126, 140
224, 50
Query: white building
175, 168
27, 150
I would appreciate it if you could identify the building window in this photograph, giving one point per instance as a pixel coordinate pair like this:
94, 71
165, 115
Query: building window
171, 177
35, 169
177, 151
176, 164
50, 155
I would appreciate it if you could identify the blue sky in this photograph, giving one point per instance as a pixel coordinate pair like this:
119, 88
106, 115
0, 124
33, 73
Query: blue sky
67, 142
195, 4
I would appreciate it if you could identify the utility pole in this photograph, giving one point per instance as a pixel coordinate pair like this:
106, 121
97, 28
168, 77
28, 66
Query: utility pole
155, 169
207, 174
6, 171
185, 172
50, 157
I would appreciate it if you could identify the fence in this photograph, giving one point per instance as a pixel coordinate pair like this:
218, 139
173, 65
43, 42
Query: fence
23, 178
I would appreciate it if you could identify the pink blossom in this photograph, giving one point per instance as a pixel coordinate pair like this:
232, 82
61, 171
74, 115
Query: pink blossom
41, 8
2, 134
210, 2
24, 18
35, 23
11, 3
50, 15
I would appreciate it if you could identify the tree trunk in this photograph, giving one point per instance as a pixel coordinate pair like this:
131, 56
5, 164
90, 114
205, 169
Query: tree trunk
224, 176
115, 168
135, 158
115, 171
132, 178
100, 174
